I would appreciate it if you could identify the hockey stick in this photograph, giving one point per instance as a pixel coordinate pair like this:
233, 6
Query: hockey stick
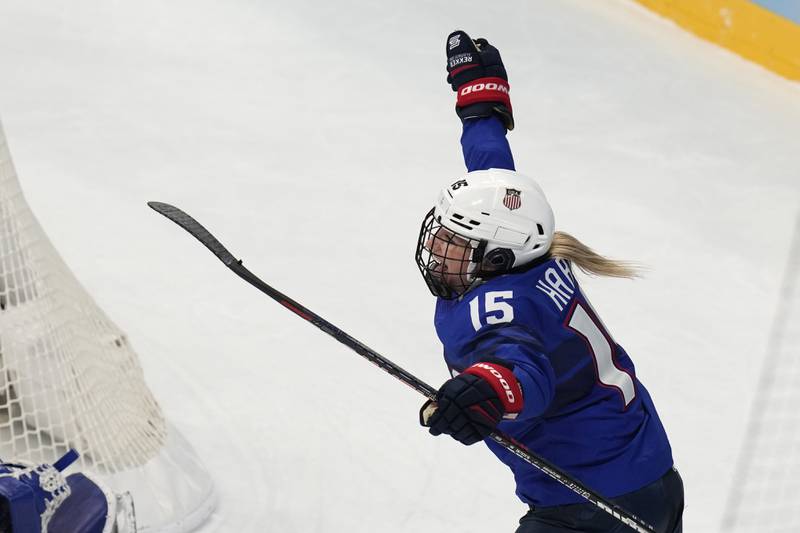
209, 241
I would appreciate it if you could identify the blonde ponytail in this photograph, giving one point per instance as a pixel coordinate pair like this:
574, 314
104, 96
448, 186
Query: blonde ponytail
590, 262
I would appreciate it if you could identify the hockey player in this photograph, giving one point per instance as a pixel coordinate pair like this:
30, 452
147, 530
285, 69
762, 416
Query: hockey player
529, 355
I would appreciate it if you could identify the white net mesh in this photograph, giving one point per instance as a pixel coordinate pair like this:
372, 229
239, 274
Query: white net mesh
764, 497
69, 378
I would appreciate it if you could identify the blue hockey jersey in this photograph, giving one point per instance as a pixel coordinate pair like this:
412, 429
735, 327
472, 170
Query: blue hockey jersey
584, 408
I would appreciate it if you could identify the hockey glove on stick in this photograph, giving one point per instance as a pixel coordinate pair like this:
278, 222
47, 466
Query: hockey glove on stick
469, 406
476, 72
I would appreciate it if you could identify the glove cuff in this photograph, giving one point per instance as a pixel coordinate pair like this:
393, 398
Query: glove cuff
487, 109
504, 383
484, 90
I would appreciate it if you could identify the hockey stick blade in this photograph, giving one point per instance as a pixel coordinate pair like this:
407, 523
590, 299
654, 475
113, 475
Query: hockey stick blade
194, 228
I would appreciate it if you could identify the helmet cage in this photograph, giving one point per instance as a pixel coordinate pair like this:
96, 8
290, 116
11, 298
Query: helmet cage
449, 261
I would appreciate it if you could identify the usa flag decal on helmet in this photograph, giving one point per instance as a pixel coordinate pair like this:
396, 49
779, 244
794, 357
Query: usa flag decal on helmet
512, 199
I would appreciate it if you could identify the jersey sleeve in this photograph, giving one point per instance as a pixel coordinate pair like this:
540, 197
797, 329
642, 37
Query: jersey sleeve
484, 143
517, 346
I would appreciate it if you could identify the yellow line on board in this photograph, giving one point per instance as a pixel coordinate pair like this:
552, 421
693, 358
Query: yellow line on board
741, 26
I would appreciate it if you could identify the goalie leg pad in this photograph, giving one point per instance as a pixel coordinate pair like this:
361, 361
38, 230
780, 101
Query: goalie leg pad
89, 509
32, 494
39, 499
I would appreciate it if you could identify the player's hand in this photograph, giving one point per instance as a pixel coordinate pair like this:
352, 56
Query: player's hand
469, 406
476, 72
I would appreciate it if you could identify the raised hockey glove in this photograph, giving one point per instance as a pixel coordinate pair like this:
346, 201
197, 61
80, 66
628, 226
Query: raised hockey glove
476, 72
469, 406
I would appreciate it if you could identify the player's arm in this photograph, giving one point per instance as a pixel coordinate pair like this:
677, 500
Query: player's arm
476, 73
507, 378
518, 349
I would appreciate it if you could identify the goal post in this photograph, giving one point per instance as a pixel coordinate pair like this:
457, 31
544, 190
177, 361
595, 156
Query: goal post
69, 378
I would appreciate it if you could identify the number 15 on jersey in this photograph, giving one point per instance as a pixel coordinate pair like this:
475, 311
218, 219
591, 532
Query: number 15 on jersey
496, 309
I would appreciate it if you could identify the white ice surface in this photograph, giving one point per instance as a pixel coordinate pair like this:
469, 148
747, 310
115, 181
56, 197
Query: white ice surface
311, 137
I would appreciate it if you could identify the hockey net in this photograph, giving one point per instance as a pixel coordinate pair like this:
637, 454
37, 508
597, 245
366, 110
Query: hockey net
69, 378
764, 494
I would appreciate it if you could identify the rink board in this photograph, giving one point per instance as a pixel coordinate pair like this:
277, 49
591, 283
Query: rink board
750, 30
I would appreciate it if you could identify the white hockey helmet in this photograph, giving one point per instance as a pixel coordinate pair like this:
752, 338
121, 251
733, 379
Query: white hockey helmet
483, 225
